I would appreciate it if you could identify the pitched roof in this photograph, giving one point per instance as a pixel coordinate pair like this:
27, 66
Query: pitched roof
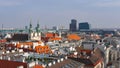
57, 38
50, 35
19, 37
91, 58
92, 61
67, 63
38, 66
11, 64
95, 36
2, 40
73, 37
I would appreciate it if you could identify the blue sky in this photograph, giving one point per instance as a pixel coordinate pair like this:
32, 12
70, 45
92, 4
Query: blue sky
99, 13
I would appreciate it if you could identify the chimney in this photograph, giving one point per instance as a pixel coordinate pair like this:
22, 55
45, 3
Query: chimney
53, 62
75, 53
61, 59
36, 62
44, 65
20, 50
23, 60
84, 53
20, 66
13, 51
15, 44
58, 60
7, 51
88, 57
1, 57
92, 52
3, 52
49, 64
8, 58
66, 57
21, 46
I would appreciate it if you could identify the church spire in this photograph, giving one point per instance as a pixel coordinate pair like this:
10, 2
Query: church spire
30, 27
38, 24
38, 27
30, 24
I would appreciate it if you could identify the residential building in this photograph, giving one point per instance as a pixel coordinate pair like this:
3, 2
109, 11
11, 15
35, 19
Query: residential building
90, 58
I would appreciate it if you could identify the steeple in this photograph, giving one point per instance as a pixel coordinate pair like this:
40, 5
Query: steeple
30, 27
38, 24
38, 27
30, 24
35, 34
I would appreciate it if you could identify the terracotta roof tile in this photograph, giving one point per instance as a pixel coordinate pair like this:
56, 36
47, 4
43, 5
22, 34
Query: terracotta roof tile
67, 63
73, 37
38, 66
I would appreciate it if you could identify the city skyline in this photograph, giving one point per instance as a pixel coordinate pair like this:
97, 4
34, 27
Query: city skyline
100, 14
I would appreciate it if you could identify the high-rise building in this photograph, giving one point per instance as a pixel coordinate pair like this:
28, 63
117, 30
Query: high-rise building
84, 26
55, 28
73, 25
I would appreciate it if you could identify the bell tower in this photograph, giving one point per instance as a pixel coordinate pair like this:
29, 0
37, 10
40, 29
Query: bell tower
30, 28
38, 32
35, 34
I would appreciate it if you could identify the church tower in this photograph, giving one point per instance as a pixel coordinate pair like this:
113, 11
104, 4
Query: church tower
35, 34
38, 27
30, 28
38, 32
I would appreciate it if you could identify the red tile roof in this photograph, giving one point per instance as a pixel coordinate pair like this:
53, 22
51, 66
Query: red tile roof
73, 37
50, 35
43, 49
69, 62
38, 66
2, 40
11, 64
89, 59
57, 38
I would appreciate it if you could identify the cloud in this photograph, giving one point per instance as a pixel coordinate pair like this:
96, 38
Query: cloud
108, 4
6, 3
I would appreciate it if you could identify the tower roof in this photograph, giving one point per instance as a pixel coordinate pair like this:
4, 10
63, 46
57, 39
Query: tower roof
38, 27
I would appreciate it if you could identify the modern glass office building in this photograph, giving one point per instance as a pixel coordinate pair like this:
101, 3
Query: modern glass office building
84, 26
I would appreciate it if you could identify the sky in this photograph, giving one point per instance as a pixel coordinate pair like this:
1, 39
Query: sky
49, 13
